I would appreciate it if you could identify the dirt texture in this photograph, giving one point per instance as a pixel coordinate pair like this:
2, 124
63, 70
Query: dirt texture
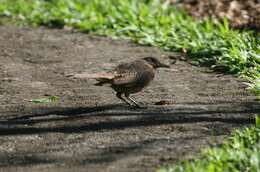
241, 13
89, 129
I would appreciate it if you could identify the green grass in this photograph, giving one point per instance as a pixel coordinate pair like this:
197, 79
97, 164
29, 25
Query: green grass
149, 22
239, 153
45, 100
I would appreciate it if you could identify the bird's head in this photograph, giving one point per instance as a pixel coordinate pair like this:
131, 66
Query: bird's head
154, 62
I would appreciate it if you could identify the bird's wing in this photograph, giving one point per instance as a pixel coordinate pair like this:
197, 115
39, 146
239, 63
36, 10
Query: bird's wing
125, 75
126, 79
92, 76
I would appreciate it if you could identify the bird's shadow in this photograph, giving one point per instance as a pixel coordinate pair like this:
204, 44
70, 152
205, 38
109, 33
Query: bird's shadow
132, 117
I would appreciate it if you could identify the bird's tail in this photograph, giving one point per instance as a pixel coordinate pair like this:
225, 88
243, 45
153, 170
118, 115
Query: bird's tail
102, 78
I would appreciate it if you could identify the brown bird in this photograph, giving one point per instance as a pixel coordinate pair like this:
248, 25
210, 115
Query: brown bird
127, 78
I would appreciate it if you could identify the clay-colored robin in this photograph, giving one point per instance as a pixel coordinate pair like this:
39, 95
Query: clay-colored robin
127, 78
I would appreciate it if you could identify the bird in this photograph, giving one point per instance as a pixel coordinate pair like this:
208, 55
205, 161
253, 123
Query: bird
127, 78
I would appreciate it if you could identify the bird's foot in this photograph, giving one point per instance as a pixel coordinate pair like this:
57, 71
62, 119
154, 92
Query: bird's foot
142, 106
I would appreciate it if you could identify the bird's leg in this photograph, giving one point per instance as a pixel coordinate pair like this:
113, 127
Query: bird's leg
132, 100
119, 95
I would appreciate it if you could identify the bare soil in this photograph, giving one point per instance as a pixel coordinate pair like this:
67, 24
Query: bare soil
243, 14
89, 129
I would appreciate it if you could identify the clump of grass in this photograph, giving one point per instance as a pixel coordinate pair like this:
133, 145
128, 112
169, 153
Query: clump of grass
254, 86
148, 22
47, 99
240, 152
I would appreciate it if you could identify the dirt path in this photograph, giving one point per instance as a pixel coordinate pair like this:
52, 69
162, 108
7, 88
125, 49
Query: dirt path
89, 129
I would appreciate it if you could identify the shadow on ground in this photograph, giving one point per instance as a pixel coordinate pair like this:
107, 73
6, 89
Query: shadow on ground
150, 116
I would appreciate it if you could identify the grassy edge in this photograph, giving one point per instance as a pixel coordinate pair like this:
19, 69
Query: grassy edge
239, 152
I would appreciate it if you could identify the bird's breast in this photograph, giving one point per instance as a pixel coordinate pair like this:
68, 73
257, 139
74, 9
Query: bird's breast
145, 77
